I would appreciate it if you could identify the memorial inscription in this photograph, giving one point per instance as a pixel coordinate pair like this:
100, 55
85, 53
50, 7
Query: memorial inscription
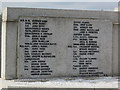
85, 48
42, 53
36, 47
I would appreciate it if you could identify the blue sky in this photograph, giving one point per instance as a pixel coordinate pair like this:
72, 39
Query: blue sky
61, 4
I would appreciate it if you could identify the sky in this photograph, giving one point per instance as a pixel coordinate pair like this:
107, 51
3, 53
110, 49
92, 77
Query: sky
106, 5
60, 0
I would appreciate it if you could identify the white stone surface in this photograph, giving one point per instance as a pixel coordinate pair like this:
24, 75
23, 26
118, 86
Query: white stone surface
103, 82
10, 26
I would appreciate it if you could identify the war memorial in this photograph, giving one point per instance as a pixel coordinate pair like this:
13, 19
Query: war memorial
53, 43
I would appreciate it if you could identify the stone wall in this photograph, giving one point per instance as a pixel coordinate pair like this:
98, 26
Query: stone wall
64, 52
0, 41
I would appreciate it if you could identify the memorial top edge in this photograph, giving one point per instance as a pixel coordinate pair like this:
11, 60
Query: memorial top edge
12, 13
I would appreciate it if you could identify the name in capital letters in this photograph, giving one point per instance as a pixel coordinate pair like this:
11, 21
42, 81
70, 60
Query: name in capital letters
85, 49
36, 35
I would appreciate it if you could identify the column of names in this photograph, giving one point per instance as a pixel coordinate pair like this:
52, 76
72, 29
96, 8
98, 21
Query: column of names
36, 34
85, 49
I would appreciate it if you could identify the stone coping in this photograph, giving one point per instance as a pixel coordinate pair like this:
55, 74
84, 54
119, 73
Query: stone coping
102, 82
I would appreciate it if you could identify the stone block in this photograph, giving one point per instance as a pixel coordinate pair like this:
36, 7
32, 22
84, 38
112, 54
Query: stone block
63, 47
0, 41
43, 43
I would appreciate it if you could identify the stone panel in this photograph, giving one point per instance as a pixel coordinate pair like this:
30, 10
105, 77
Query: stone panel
67, 54
64, 47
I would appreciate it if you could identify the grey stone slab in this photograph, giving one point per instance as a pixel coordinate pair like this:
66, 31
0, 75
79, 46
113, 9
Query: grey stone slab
115, 49
60, 22
8, 49
86, 57
119, 49
0, 41
106, 89
9, 16
49, 89
59, 89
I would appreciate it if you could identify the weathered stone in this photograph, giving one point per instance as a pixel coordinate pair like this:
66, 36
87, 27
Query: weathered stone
64, 53
0, 41
76, 43
61, 83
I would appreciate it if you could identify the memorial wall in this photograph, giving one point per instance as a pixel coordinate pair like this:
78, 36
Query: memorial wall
0, 42
43, 43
